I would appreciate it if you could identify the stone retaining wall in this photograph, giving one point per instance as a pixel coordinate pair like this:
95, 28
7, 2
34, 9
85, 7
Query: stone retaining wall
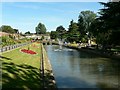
49, 79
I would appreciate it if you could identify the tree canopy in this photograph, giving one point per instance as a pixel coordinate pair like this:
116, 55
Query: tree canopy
106, 27
110, 20
84, 21
60, 31
7, 29
28, 33
40, 29
16, 31
73, 33
54, 34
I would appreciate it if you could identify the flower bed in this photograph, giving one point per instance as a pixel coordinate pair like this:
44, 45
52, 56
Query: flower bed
28, 51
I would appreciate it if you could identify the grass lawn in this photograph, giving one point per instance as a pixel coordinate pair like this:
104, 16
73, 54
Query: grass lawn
21, 70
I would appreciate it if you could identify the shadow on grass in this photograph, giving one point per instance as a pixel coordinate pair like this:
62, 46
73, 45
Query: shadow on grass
20, 76
5, 58
24, 76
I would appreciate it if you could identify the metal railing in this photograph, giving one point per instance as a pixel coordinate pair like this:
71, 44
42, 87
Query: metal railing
6, 48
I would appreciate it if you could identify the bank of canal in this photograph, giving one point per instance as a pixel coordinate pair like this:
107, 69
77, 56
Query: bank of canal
77, 69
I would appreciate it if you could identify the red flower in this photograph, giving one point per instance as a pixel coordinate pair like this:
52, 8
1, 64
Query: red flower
28, 51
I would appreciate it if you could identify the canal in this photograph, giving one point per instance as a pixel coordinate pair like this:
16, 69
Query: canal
76, 69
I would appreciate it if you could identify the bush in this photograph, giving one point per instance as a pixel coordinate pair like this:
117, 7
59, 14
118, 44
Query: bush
6, 40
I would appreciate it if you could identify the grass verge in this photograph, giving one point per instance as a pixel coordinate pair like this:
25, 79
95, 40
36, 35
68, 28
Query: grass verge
21, 70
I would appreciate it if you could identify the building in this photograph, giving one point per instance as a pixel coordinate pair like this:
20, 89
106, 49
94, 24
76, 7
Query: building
35, 36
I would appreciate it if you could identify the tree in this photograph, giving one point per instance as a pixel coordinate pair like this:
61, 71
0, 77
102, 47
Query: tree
28, 32
84, 21
7, 29
16, 31
61, 31
73, 33
106, 28
53, 34
40, 29
109, 17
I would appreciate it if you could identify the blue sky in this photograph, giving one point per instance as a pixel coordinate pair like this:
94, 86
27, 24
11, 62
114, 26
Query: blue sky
25, 16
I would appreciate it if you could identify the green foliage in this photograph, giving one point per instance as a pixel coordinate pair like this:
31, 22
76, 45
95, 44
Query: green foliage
28, 33
16, 31
73, 33
60, 32
53, 34
73, 27
42, 37
106, 28
40, 29
85, 20
7, 40
7, 29
60, 29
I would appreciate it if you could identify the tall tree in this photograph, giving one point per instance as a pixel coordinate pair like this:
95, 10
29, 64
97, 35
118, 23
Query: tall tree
106, 28
84, 21
73, 33
110, 19
40, 29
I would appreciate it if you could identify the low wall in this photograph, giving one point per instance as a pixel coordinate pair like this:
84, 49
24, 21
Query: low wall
48, 79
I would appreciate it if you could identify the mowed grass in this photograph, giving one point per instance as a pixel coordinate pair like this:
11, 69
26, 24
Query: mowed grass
21, 70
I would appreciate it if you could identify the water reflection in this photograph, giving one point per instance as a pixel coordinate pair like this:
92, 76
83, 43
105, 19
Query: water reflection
75, 69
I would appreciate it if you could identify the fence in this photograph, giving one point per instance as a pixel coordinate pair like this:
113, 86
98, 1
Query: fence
6, 48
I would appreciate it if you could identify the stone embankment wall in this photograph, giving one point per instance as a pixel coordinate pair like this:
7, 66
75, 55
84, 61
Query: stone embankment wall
48, 79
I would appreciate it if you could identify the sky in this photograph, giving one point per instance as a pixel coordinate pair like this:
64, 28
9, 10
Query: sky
25, 16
